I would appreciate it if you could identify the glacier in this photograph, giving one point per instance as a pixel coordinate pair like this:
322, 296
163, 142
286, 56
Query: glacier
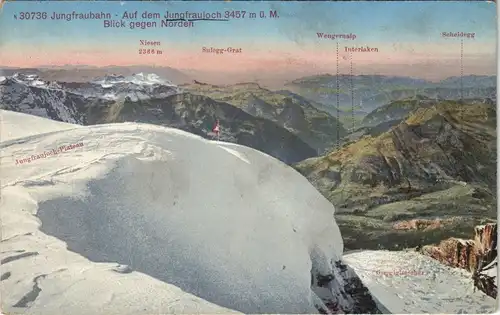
146, 219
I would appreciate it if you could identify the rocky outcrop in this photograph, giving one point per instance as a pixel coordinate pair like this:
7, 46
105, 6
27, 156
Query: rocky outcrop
342, 292
418, 224
486, 238
465, 254
454, 252
475, 255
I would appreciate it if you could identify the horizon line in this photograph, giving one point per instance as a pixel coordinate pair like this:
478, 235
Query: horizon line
76, 67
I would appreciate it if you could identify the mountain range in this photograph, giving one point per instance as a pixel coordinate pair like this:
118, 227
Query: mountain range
89, 73
143, 98
367, 92
414, 169
428, 176
288, 110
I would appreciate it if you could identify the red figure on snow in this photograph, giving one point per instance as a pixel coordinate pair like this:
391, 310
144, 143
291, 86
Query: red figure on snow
216, 129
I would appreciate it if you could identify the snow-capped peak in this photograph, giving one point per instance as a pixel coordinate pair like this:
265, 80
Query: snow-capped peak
138, 86
59, 100
150, 78
139, 79
29, 79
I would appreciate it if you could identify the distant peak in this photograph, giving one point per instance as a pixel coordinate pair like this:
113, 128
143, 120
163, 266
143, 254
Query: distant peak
25, 77
28, 79
199, 83
137, 78
252, 84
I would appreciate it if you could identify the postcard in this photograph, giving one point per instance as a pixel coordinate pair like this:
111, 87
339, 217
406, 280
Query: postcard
248, 157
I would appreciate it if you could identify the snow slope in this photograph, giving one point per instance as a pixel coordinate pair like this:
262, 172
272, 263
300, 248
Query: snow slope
144, 219
410, 283
18, 125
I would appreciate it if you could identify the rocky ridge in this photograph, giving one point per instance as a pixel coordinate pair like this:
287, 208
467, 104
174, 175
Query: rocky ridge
198, 114
147, 98
439, 163
399, 109
317, 128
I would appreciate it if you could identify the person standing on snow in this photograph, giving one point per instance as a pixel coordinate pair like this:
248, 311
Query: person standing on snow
216, 130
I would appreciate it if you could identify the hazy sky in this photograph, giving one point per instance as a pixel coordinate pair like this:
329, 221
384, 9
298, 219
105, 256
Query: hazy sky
406, 34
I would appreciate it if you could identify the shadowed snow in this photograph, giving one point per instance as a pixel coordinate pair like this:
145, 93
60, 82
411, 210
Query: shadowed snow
145, 210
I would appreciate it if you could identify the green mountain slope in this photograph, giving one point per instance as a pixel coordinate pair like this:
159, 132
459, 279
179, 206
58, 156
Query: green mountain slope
438, 165
398, 110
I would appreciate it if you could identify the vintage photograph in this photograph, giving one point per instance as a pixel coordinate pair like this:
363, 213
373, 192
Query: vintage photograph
240, 157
